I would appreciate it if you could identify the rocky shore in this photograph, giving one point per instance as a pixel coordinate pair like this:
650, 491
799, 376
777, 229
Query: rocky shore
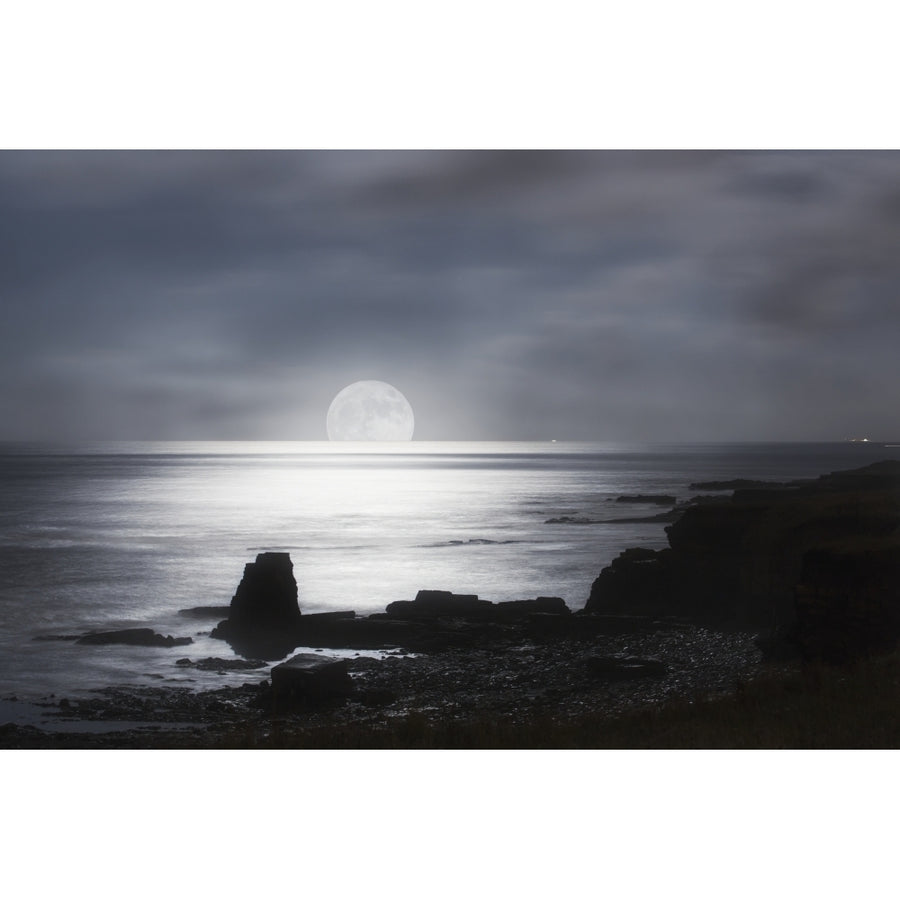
766, 580
556, 681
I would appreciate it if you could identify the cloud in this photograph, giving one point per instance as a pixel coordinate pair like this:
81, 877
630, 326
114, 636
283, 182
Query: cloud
647, 295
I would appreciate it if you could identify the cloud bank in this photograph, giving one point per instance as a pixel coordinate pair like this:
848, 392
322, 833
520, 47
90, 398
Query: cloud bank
509, 295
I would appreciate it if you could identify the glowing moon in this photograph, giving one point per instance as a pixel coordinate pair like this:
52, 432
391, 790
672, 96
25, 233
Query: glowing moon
370, 411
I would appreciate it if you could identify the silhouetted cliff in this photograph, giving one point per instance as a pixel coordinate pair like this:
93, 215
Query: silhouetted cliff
817, 560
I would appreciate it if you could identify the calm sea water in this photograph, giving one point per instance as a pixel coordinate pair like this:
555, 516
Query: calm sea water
106, 536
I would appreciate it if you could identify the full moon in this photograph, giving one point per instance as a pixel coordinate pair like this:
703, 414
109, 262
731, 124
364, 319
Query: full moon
370, 411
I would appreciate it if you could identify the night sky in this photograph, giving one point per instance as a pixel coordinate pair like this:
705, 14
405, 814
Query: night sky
609, 295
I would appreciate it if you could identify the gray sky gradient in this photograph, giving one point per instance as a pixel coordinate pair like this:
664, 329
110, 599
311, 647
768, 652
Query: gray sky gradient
509, 295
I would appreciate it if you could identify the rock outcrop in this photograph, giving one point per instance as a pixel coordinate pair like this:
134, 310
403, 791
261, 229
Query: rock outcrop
265, 620
264, 615
815, 559
435, 604
135, 637
214, 664
511, 609
266, 598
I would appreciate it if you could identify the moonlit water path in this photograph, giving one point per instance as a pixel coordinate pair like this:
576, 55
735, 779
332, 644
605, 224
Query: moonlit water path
121, 535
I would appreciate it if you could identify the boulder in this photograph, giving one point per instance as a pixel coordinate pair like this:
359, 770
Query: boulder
137, 637
309, 678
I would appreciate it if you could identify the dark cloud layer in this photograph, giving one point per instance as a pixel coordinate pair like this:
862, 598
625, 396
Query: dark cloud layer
510, 295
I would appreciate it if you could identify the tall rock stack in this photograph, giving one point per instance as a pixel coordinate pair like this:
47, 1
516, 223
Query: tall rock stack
264, 616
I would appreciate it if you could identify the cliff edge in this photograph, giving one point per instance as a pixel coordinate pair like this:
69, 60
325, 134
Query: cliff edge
815, 561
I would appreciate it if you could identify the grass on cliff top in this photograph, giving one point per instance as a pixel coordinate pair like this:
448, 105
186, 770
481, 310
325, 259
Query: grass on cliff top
818, 707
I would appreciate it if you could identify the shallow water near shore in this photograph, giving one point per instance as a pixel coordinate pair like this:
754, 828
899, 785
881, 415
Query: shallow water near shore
116, 535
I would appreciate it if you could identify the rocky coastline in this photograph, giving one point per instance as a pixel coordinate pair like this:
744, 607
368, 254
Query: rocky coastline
763, 579
556, 682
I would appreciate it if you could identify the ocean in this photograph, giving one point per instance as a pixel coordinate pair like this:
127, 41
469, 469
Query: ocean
118, 535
